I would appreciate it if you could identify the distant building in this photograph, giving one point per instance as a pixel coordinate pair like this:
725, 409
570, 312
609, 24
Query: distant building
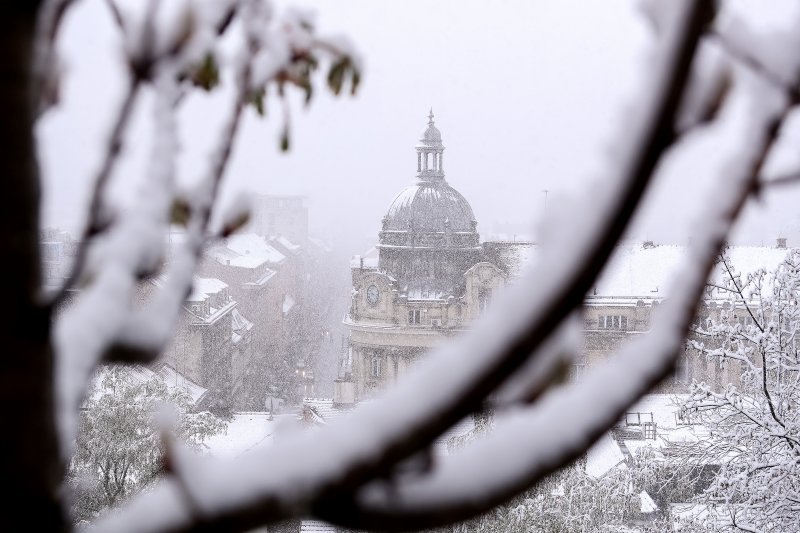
429, 277
621, 304
280, 215
210, 339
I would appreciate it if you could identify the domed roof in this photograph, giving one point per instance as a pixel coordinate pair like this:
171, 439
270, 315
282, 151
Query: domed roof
431, 137
430, 207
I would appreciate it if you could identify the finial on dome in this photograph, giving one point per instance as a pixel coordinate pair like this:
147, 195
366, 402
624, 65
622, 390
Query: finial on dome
430, 117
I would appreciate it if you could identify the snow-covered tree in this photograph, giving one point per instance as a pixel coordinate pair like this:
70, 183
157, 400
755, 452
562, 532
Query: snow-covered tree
698, 69
754, 424
119, 449
569, 501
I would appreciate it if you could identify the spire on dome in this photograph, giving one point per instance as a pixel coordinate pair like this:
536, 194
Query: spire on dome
430, 118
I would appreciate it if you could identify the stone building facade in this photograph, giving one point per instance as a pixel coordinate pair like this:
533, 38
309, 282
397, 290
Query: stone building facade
429, 276
428, 279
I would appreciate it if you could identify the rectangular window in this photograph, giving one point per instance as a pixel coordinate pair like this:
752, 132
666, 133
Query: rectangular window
415, 316
619, 322
484, 299
681, 373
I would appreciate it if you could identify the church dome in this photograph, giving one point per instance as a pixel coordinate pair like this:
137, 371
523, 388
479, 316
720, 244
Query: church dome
431, 136
430, 207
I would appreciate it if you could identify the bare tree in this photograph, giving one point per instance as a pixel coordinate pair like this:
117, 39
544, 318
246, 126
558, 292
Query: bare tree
357, 482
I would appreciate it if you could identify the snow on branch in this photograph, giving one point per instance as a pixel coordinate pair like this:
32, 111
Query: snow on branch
115, 255
300, 478
529, 444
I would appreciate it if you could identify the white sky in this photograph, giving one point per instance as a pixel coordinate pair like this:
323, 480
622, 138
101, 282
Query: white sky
526, 93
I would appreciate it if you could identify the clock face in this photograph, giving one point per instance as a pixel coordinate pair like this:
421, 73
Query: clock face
373, 294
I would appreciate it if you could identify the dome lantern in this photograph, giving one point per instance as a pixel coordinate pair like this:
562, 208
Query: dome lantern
430, 164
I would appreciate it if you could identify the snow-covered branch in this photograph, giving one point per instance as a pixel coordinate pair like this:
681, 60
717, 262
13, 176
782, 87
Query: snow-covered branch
497, 346
116, 254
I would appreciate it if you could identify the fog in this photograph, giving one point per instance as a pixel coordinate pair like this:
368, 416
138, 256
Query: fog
528, 96
294, 320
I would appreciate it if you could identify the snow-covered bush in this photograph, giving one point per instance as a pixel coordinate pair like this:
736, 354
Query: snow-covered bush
123, 423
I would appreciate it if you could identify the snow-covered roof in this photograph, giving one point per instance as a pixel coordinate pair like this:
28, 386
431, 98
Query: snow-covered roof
246, 250
319, 243
316, 526
174, 380
513, 257
643, 271
310, 416
226, 256
604, 455
430, 207
246, 432
324, 407
359, 261
202, 288
252, 244
368, 259
286, 243
264, 278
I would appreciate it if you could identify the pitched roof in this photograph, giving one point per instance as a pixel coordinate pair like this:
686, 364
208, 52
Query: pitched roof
246, 250
643, 271
203, 288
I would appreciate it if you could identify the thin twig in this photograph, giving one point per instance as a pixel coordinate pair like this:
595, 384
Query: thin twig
787, 179
755, 65
469, 393
97, 219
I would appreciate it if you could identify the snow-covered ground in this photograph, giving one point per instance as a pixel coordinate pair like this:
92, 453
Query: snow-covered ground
246, 432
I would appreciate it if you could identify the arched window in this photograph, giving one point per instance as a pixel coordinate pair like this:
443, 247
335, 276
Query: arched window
376, 368
484, 299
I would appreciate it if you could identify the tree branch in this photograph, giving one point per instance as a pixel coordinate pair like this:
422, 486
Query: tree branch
463, 487
29, 461
495, 357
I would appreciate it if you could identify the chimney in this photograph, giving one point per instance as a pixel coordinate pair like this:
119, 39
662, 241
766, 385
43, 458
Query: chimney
781, 243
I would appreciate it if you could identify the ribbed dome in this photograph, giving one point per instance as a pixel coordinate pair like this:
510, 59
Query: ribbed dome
431, 136
430, 207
